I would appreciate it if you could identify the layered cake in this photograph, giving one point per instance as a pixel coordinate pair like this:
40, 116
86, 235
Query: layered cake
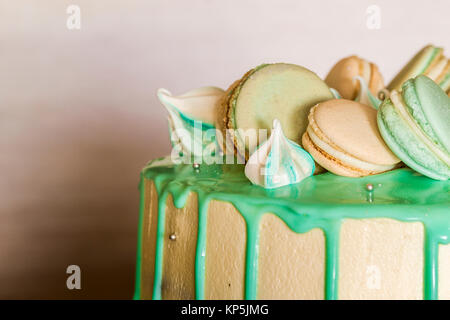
281, 187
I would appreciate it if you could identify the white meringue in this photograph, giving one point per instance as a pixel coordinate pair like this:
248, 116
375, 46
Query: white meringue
278, 161
365, 96
192, 118
335, 93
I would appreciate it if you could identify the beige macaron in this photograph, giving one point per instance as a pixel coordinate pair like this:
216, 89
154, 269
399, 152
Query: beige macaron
343, 137
342, 77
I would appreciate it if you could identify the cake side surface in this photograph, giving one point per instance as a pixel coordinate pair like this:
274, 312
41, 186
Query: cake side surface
325, 202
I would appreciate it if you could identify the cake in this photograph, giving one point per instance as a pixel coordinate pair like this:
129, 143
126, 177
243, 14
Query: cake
216, 224
210, 234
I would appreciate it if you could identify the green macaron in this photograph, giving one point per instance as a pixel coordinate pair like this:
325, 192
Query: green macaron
415, 124
281, 91
429, 61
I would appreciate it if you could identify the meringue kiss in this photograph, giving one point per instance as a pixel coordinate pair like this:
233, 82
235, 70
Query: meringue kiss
278, 161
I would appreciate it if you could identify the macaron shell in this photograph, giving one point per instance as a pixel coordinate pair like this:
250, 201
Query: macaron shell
222, 110
376, 83
405, 144
444, 79
282, 91
341, 77
352, 128
417, 65
436, 108
330, 163
445, 82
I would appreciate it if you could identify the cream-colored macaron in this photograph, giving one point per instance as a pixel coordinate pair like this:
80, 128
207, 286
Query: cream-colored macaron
342, 77
343, 137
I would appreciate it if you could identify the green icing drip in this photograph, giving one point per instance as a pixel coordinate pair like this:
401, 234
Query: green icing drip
431, 267
332, 259
159, 248
137, 290
321, 201
251, 259
201, 250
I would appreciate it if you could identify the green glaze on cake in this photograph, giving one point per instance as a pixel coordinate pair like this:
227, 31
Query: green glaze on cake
321, 201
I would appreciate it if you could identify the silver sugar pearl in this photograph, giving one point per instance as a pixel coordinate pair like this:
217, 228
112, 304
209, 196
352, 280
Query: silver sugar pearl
369, 187
173, 237
383, 94
196, 166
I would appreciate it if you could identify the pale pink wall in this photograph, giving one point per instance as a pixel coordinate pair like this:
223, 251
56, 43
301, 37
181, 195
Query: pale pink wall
79, 116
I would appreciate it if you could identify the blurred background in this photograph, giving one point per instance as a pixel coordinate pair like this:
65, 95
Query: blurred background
79, 117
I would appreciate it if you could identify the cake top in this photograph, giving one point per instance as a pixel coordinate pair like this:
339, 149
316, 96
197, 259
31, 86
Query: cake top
275, 110
401, 187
